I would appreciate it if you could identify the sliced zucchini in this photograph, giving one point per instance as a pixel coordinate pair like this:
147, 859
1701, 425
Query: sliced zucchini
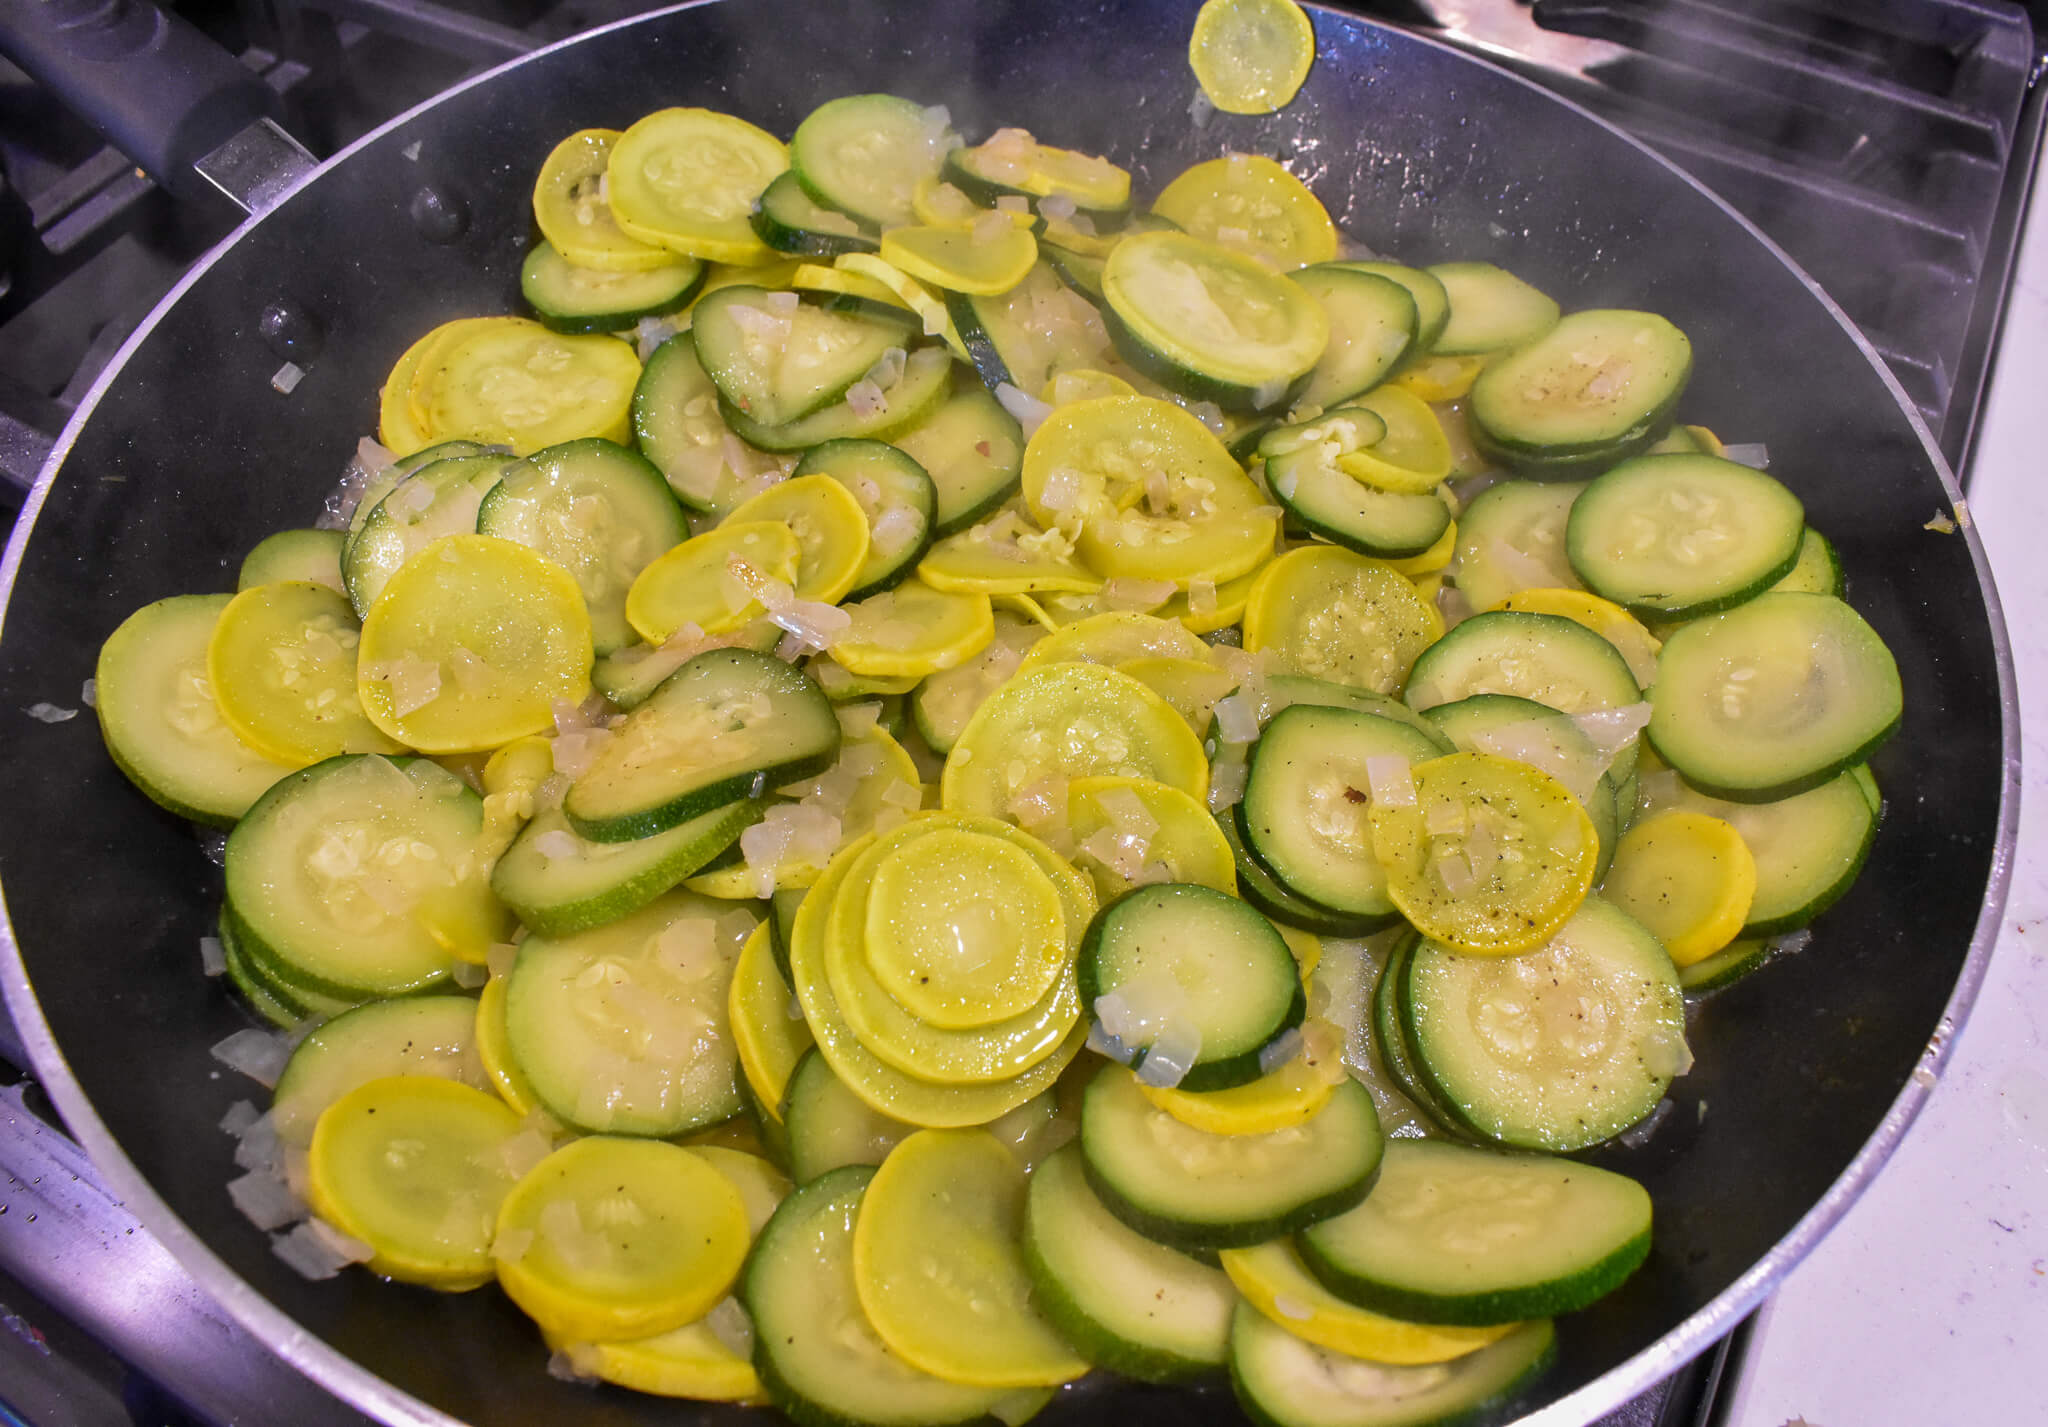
1373, 327
571, 298
1432, 302
623, 1029
1129, 1304
1189, 1189
725, 725
916, 395
1329, 502
1676, 537
312, 876
1544, 657
1192, 982
1808, 848
1210, 323
1773, 697
1490, 309
559, 883
600, 511
1012, 162
679, 426
1597, 388
829, 1126
159, 719
973, 451
1264, 891
309, 555
1282, 1381
1511, 537
436, 500
1304, 814
789, 220
1026, 335
776, 358
413, 1035
896, 495
1555, 1050
1560, 1236
818, 1357
865, 154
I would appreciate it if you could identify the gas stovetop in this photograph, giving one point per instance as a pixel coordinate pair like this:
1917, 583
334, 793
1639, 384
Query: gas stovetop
1887, 148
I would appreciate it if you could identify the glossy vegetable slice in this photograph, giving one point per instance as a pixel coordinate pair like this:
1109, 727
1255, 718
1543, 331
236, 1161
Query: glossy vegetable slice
818, 1356
939, 1268
1333, 614
1273, 1279
767, 1037
1150, 492
160, 721
1488, 855
515, 383
958, 260
1251, 56
1129, 1304
470, 645
878, 1084
686, 180
1068, 720
618, 1238
1688, 877
865, 154
412, 1035
830, 528
1131, 831
414, 1166
1282, 222
357, 875
713, 581
1212, 323
572, 214
914, 630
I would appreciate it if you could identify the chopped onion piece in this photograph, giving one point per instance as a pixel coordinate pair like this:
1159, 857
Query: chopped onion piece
265, 1200
1226, 785
729, 1323
260, 1055
866, 399
1201, 596
1106, 1045
555, 844
89, 693
1029, 411
1455, 873
1612, 730
286, 378
990, 227
510, 1245
1058, 206
1128, 592
318, 1250
564, 1367
1753, 454
50, 713
887, 370
1128, 813
1791, 941
1391, 780
1237, 719
1171, 1055
650, 332
468, 975
240, 1116
213, 957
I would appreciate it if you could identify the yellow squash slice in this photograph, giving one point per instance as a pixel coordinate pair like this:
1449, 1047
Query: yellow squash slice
470, 645
939, 1264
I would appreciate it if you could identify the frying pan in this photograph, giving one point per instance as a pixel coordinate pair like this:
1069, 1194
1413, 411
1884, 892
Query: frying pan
183, 456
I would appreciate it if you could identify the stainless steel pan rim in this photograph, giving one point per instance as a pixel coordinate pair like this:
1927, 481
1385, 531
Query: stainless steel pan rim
371, 1394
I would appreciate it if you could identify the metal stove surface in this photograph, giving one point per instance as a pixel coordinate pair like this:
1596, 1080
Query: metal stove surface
1920, 120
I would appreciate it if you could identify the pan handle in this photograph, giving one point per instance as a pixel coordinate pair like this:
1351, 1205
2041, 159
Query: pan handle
159, 91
